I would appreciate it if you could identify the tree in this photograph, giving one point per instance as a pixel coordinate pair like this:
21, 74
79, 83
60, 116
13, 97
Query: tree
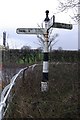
51, 43
60, 48
26, 47
51, 37
74, 5
25, 53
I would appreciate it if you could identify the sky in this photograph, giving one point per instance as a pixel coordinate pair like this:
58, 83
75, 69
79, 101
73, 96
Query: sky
29, 14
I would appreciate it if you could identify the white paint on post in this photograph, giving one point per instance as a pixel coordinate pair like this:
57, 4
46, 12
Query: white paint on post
45, 67
44, 86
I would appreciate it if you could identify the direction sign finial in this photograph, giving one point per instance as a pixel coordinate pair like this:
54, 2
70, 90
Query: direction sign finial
47, 18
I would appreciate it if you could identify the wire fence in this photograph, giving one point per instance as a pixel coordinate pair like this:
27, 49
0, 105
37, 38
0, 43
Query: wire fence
9, 91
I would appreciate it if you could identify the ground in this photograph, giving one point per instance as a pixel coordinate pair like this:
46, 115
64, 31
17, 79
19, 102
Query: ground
60, 101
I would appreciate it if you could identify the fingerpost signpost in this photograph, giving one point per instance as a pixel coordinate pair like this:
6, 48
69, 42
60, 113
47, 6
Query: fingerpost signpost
49, 23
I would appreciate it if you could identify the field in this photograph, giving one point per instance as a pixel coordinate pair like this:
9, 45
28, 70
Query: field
61, 100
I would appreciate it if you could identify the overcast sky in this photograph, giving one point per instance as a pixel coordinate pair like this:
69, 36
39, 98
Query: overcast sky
28, 13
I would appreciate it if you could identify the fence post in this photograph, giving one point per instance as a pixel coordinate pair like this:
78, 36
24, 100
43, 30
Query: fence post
23, 77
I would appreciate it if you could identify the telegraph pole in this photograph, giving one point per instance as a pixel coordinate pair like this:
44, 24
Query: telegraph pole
44, 82
4, 39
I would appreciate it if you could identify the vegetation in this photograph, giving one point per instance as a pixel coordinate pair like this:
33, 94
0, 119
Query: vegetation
22, 56
28, 56
61, 100
72, 5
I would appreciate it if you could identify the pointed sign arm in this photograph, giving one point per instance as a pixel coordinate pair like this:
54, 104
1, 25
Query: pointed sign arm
62, 25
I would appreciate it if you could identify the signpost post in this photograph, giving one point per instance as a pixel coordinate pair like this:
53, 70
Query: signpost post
48, 24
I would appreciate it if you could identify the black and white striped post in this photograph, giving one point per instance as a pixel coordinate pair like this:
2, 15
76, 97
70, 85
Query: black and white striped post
44, 82
48, 24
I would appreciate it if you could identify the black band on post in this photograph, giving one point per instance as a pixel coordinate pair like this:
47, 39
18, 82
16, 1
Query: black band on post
45, 57
45, 77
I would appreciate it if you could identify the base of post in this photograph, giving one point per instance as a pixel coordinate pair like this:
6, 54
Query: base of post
44, 86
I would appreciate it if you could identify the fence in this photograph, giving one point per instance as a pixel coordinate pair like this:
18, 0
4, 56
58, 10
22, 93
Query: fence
6, 95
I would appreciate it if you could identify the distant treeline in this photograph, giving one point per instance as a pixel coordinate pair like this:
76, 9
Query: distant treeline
65, 56
21, 56
11, 57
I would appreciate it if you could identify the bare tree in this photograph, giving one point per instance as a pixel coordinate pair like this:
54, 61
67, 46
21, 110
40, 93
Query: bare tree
51, 37
26, 47
73, 5
60, 48
51, 42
